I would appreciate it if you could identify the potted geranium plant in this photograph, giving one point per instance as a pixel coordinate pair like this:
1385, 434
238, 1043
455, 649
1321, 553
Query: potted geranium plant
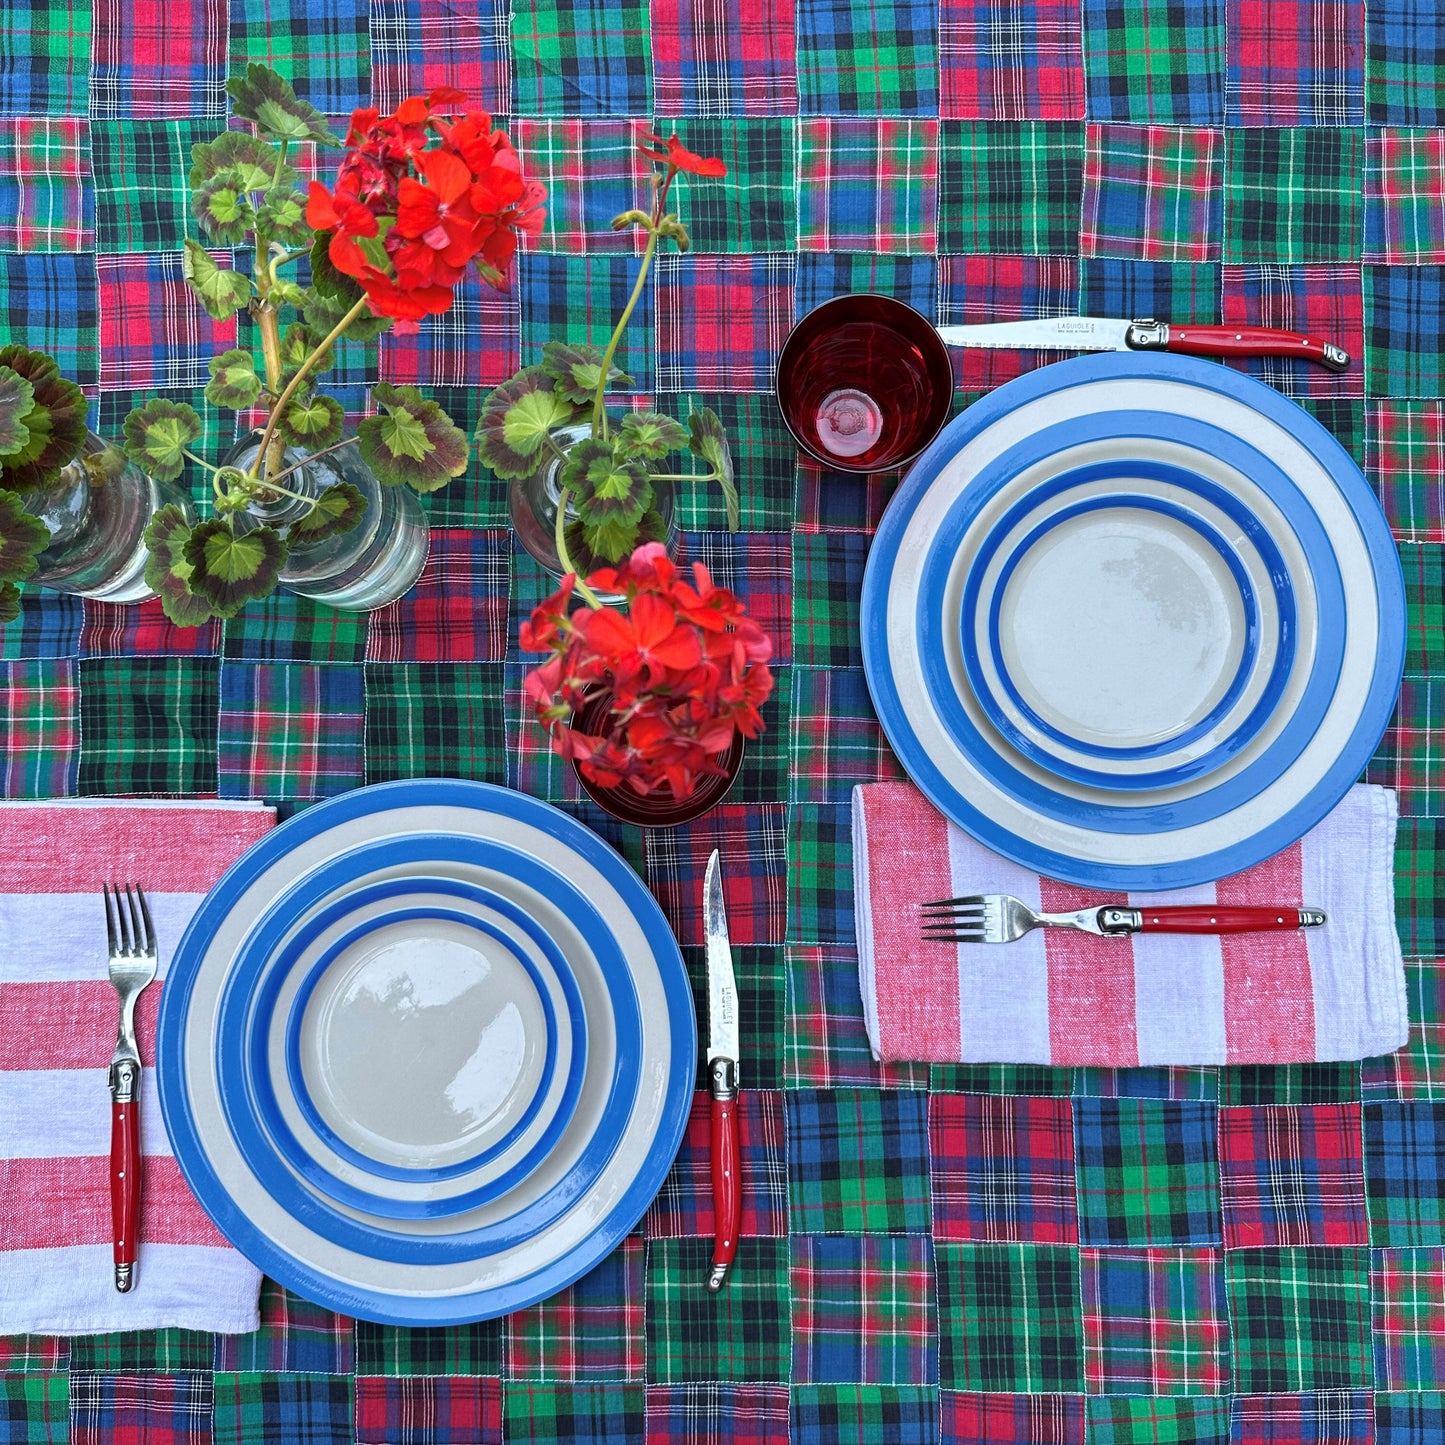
651, 706
73, 511
586, 485
420, 196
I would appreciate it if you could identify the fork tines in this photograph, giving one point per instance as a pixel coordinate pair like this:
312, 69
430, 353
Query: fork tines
128, 925
956, 920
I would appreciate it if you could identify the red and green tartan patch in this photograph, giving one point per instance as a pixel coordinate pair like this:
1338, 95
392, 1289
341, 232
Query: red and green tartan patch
39, 727
684, 1205
172, 1409
1408, 1290
35, 1407
1153, 62
1295, 62
1293, 195
426, 1410
862, 1414
1405, 196
711, 57
1002, 1169
593, 171
1157, 1420
1013, 60
867, 185
1013, 1419
1151, 193
1292, 1174
47, 195
1405, 458
158, 59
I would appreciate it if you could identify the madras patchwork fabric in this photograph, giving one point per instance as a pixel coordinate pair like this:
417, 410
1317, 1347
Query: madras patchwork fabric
949, 1255
1151, 193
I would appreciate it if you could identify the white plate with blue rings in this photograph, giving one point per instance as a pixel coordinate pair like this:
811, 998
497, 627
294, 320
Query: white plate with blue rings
316, 928
1128, 572
1320, 515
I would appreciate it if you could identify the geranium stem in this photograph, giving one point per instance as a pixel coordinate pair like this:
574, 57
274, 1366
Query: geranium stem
599, 415
588, 595
324, 452
279, 409
269, 325
683, 476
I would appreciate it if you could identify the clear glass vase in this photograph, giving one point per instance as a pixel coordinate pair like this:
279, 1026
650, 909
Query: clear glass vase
97, 513
375, 562
533, 502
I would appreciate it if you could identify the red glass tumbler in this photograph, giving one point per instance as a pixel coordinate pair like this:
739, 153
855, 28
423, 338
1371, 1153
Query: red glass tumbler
864, 383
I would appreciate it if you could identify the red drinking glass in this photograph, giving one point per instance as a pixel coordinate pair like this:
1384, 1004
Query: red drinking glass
864, 383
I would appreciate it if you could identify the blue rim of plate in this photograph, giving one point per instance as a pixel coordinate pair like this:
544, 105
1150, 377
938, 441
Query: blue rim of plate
1263, 841
295, 1072
386, 1306
239, 1049
1248, 726
1144, 815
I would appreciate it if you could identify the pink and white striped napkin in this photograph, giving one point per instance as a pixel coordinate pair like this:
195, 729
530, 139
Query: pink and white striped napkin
1055, 997
58, 1017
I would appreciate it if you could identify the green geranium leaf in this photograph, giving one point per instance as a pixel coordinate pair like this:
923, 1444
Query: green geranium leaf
709, 441
156, 435
222, 292
230, 570
22, 539
245, 160
17, 399
338, 509
575, 370
283, 216
168, 572
223, 210
266, 99
297, 343
517, 418
313, 423
55, 422
323, 313
9, 602
650, 434
234, 383
598, 476
413, 441
611, 539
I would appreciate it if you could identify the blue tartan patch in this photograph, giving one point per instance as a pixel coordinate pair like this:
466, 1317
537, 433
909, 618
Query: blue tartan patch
864, 1310
50, 299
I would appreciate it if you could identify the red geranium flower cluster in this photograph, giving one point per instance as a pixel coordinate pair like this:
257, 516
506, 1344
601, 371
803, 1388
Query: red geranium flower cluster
419, 197
684, 666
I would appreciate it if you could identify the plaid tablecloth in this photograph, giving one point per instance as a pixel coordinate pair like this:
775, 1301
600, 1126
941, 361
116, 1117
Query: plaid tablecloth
955, 1254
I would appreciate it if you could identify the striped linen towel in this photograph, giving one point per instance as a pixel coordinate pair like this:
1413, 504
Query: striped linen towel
59, 1017
1057, 997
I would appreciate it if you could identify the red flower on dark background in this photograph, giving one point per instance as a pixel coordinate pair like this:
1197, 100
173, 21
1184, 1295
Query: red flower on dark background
420, 197
677, 155
685, 667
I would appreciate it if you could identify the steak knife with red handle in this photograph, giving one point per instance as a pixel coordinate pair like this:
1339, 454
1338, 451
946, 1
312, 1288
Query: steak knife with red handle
722, 1073
1099, 333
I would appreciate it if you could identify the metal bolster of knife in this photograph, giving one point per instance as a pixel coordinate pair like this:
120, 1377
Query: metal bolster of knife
1147, 335
1120, 922
724, 1078
123, 1077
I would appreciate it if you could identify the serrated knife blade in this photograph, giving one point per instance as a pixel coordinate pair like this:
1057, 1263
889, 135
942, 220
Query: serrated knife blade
1048, 333
722, 991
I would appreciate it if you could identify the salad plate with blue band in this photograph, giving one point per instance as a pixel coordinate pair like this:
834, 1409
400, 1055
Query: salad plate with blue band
427, 1052
1079, 525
